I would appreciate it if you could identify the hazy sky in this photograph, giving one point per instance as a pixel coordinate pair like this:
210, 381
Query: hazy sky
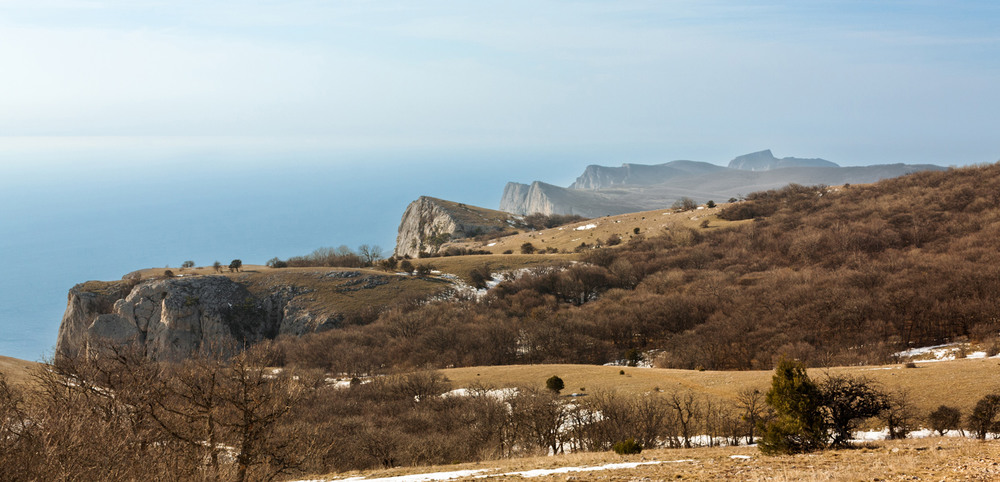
125, 125
853, 82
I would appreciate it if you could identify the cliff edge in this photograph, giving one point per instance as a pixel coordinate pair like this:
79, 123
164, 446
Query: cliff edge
429, 222
171, 318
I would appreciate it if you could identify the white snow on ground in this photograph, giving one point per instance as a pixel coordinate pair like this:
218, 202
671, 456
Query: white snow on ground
878, 435
499, 393
492, 244
585, 227
412, 478
338, 383
565, 470
741, 457
526, 474
936, 353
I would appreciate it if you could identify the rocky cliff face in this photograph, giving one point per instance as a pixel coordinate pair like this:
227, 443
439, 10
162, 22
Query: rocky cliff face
527, 199
429, 222
171, 318
174, 317
87, 301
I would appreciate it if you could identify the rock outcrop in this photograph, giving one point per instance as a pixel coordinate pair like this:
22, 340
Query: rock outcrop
429, 222
172, 318
603, 191
86, 302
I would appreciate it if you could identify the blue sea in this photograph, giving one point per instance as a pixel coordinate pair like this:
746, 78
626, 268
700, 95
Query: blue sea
67, 217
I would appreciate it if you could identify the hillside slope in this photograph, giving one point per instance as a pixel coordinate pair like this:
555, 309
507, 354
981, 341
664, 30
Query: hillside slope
842, 275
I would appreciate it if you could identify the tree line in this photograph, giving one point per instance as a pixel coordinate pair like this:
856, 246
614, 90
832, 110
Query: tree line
112, 414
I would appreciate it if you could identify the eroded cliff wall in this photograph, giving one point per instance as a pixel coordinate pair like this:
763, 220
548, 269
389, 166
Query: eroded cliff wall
172, 318
429, 222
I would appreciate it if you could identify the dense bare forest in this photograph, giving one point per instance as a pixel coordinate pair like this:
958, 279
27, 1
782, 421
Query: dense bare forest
113, 414
842, 275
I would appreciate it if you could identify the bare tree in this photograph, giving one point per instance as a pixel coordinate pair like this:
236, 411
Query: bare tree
539, 415
254, 400
753, 407
370, 254
686, 409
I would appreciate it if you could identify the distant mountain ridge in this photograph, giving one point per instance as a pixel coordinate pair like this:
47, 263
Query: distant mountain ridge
765, 161
603, 190
599, 177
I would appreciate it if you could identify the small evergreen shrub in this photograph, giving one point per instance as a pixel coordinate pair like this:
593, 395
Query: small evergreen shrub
555, 384
627, 447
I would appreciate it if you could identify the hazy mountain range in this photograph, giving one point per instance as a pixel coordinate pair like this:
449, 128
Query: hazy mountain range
603, 190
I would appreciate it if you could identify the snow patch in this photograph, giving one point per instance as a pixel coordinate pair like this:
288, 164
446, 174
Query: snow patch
499, 393
585, 227
936, 349
491, 244
564, 470
457, 474
478, 473
937, 353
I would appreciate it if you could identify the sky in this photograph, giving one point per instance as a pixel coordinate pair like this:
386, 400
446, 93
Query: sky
856, 82
145, 133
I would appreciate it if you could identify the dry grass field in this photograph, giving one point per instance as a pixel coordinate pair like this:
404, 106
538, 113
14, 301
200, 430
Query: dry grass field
916, 459
568, 237
17, 371
461, 265
959, 383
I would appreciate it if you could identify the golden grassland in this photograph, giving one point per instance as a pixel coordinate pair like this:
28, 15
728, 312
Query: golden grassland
18, 371
936, 458
461, 265
959, 383
568, 237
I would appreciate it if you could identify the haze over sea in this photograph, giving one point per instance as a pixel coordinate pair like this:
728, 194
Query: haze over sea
99, 215
142, 134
